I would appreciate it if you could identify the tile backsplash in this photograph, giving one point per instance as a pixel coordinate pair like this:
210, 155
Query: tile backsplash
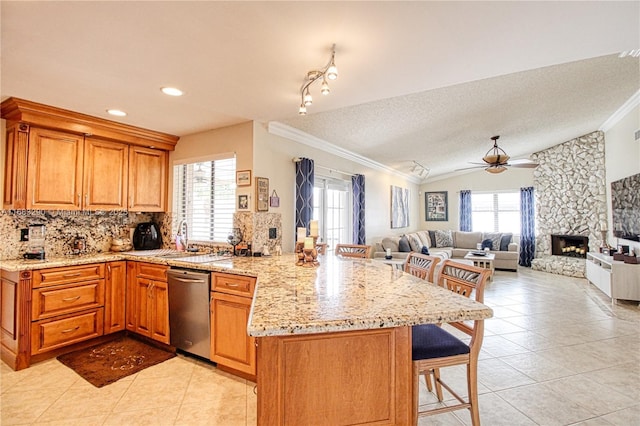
61, 226
98, 228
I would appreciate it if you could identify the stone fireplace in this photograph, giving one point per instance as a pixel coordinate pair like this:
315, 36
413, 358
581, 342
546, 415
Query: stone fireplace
570, 196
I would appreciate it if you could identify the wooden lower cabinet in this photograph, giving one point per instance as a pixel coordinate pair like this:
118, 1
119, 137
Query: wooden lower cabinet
115, 288
231, 347
147, 304
356, 377
62, 331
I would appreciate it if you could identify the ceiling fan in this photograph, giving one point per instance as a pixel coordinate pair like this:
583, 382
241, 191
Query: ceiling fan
497, 161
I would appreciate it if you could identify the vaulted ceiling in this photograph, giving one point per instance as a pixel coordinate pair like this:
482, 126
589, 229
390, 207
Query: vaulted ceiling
425, 81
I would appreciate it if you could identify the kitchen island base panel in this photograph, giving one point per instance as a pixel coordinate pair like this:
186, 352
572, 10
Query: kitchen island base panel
356, 377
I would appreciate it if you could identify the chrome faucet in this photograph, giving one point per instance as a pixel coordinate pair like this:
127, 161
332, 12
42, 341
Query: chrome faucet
185, 237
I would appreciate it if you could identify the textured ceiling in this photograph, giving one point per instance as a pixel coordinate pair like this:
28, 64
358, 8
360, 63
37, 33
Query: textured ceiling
425, 80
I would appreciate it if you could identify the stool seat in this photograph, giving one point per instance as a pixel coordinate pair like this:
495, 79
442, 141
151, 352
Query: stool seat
430, 341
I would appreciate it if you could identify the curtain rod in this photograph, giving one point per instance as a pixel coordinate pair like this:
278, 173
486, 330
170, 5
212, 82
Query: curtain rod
298, 159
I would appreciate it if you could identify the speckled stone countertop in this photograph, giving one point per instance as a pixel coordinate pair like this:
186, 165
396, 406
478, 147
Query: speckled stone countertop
338, 295
342, 295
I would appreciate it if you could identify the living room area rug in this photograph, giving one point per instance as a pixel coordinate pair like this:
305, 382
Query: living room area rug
111, 361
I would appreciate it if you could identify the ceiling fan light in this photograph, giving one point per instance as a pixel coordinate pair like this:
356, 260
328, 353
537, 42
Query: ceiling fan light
302, 110
496, 169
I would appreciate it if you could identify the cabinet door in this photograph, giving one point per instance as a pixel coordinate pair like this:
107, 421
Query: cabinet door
114, 305
231, 346
147, 179
160, 298
130, 297
105, 175
54, 178
144, 306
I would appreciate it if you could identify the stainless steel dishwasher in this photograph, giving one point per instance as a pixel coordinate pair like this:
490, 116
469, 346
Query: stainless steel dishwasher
189, 311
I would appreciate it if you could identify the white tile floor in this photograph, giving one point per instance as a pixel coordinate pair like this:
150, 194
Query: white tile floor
556, 353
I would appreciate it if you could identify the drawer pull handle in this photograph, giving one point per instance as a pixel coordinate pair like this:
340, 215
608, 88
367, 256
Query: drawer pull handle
69, 330
77, 274
231, 285
71, 299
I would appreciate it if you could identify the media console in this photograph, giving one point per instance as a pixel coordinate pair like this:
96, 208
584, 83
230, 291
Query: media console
616, 279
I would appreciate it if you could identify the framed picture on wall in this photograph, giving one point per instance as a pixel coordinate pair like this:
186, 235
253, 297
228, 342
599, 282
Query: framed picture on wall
243, 178
243, 202
399, 207
436, 206
262, 194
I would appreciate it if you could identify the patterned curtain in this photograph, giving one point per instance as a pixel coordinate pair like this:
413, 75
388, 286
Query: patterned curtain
357, 184
527, 227
304, 193
465, 210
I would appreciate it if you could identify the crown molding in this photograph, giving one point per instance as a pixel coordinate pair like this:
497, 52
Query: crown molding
625, 109
280, 129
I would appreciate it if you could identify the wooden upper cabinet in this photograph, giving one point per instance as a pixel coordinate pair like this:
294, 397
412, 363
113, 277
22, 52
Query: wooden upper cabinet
54, 176
63, 160
106, 166
147, 179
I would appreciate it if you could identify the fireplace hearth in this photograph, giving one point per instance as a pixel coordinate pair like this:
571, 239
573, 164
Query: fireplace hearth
569, 245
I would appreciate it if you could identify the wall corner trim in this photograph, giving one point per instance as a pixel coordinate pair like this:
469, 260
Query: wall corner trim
621, 112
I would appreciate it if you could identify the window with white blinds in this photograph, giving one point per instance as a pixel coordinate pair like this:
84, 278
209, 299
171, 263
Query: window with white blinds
496, 211
204, 195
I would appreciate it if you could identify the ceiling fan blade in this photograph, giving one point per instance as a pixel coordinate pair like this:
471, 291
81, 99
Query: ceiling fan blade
521, 161
481, 166
523, 165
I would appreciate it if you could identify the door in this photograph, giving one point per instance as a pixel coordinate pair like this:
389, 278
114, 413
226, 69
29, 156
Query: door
147, 179
105, 175
54, 178
114, 314
231, 346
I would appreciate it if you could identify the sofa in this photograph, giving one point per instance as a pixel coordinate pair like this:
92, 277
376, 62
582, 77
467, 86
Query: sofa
448, 244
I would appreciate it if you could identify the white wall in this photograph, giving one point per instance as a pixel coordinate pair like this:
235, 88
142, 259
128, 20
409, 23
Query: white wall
272, 158
622, 159
512, 179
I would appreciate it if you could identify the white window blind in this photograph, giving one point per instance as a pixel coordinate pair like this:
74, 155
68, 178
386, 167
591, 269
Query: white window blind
204, 195
496, 212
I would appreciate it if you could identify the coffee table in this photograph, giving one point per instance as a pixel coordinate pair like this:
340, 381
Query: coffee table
485, 261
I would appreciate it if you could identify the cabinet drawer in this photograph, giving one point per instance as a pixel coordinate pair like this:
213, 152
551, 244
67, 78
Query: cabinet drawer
152, 271
51, 301
67, 274
233, 284
55, 333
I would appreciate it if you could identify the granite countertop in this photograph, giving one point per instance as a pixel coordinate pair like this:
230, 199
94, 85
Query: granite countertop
338, 295
342, 294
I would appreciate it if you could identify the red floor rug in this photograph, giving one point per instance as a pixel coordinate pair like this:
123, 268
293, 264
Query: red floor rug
111, 361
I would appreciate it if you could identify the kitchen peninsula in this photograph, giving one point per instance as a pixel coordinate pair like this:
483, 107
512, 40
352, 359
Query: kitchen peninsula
333, 341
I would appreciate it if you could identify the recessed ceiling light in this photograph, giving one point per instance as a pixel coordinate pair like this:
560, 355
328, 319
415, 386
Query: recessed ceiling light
171, 91
117, 112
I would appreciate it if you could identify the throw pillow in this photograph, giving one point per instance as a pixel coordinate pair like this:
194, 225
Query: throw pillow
403, 244
414, 242
504, 242
425, 250
495, 238
487, 244
432, 237
390, 243
444, 238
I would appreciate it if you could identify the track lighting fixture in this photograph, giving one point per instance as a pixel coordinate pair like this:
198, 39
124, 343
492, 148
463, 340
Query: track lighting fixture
330, 71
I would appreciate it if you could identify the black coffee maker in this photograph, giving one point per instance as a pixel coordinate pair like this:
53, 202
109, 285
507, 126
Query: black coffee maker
147, 236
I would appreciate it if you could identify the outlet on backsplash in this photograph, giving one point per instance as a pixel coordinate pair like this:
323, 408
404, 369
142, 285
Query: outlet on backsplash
24, 234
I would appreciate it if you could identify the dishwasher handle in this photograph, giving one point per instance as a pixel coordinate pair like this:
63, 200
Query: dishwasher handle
188, 280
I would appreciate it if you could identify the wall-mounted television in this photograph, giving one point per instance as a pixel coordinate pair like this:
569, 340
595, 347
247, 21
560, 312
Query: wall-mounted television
625, 206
